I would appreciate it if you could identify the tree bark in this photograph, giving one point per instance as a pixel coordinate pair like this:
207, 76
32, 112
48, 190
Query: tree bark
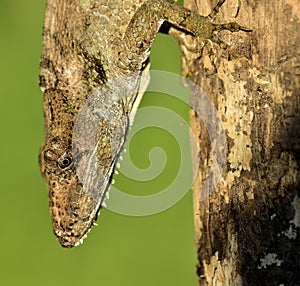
247, 230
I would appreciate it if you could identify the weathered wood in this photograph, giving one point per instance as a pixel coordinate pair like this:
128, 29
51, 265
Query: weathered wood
247, 231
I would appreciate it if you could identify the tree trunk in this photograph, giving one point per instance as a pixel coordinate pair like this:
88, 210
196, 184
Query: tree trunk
247, 229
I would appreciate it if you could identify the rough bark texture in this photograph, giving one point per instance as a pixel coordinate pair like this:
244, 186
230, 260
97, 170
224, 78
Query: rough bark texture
247, 231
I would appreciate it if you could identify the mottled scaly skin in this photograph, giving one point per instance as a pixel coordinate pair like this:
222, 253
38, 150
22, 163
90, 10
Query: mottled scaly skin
87, 43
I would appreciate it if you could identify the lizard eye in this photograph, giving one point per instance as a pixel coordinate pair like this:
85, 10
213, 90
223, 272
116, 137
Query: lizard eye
64, 161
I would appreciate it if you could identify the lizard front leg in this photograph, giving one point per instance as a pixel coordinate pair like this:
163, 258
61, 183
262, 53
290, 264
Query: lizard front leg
145, 24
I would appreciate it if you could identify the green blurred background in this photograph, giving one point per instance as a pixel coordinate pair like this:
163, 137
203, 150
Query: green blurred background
123, 250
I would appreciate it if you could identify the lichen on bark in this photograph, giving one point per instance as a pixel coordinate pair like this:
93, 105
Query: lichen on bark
247, 231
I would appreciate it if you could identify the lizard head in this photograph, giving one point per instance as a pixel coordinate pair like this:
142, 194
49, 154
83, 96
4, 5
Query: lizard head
78, 169
73, 211
79, 153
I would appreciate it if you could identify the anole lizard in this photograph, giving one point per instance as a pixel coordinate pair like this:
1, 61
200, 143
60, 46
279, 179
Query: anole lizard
88, 43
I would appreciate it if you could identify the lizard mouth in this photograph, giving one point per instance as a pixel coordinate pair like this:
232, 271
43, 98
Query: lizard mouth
73, 232
73, 215
69, 240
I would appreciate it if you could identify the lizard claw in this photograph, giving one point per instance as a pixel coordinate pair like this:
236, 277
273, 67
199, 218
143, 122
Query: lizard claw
213, 14
232, 27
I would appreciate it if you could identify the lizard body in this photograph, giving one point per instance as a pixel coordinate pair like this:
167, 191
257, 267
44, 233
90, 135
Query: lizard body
87, 44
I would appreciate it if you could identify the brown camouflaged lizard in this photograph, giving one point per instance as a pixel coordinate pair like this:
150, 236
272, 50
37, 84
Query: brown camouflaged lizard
87, 44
